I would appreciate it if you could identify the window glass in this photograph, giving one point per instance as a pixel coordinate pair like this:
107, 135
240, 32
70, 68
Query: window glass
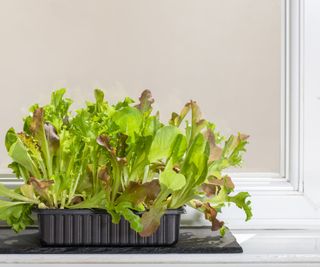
224, 54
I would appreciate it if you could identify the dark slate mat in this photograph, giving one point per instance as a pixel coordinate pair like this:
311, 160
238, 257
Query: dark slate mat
192, 240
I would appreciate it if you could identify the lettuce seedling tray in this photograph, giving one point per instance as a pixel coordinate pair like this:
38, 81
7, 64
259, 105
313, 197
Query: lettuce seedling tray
85, 227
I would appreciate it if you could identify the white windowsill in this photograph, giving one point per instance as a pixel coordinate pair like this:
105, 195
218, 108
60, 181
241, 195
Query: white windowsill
263, 247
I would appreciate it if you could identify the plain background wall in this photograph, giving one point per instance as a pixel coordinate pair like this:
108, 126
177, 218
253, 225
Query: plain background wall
224, 54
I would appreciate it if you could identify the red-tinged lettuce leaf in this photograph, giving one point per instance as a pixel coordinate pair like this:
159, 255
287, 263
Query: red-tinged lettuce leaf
76, 200
37, 124
52, 138
197, 124
104, 176
135, 193
232, 152
210, 214
37, 129
213, 185
39, 185
121, 144
150, 220
146, 101
210, 189
104, 141
42, 189
215, 151
153, 190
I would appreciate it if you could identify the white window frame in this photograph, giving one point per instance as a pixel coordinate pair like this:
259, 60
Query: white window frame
286, 199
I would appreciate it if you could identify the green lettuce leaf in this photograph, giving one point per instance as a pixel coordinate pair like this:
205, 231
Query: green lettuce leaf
172, 180
161, 147
16, 214
129, 120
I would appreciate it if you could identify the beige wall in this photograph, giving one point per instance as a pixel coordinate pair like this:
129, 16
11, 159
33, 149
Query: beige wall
224, 54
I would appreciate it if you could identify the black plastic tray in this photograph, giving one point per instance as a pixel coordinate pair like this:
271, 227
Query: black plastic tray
84, 227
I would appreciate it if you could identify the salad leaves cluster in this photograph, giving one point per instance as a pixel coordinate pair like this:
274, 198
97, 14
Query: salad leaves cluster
121, 158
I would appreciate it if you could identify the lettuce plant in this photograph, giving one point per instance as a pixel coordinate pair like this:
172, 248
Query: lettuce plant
120, 158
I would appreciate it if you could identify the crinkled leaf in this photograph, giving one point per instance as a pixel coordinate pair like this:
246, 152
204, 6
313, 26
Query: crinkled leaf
146, 101
242, 202
233, 148
125, 209
210, 189
16, 214
57, 111
125, 103
18, 170
213, 185
210, 214
104, 140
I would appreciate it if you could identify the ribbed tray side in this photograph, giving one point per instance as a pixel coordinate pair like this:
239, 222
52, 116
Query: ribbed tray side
96, 229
